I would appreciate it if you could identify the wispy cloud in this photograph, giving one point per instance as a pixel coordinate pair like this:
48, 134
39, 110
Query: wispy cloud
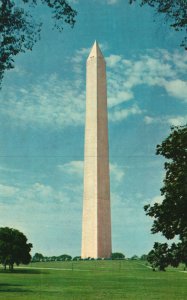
171, 120
156, 199
120, 114
58, 103
75, 168
177, 121
111, 2
39, 198
113, 60
117, 173
36, 208
8, 191
78, 58
9, 170
159, 68
49, 102
36, 192
177, 88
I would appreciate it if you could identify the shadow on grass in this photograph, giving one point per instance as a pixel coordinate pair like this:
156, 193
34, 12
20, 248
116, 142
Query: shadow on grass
23, 271
9, 288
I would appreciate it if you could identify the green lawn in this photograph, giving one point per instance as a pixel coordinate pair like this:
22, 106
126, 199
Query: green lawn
92, 280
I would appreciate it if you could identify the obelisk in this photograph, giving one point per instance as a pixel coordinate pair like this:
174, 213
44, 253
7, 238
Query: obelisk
96, 225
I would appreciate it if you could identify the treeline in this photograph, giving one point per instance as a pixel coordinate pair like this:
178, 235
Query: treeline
38, 257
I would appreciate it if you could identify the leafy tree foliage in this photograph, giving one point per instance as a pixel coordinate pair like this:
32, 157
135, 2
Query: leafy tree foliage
117, 255
162, 255
143, 257
19, 31
158, 257
77, 258
135, 257
65, 257
37, 257
175, 12
178, 254
174, 255
170, 217
14, 248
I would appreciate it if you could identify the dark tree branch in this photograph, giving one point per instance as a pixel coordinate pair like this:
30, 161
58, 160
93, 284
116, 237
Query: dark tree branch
175, 12
19, 31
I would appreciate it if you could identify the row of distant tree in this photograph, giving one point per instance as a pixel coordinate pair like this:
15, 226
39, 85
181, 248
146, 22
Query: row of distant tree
14, 249
38, 257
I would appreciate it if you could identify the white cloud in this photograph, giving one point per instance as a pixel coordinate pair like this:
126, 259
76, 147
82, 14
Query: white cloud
50, 102
117, 95
113, 60
157, 199
117, 173
171, 120
118, 115
73, 167
36, 195
111, 2
158, 68
177, 59
44, 214
8, 191
40, 190
148, 120
61, 103
177, 88
5, 169
177, 121
77, 60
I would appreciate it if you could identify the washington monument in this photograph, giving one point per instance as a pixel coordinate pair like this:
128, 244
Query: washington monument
96, 225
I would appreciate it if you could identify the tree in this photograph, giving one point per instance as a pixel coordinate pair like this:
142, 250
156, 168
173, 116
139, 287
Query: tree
14, 248
158, 257
178, 254
77, 258
135, 257
64, 257
182, 251
170, 216
19, 31
117, 255
174, 255
143, 257
175, 11
37, 257
174, 205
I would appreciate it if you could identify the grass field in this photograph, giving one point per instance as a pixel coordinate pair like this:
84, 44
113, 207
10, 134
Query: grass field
92, 280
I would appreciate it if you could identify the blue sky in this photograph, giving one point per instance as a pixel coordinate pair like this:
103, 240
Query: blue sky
42, 112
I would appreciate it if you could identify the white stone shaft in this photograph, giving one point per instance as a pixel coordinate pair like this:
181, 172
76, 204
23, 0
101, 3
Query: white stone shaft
96, 225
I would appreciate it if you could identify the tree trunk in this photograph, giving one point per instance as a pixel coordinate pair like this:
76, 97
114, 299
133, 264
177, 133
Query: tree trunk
11, 267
